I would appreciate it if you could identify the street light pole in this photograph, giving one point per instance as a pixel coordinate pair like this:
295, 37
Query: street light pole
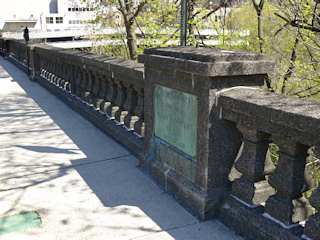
183, 26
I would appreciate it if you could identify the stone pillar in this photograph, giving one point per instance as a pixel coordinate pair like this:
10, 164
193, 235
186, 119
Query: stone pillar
189, 150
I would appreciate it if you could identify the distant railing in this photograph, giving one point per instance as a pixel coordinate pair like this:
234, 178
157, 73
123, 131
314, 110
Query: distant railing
113, 86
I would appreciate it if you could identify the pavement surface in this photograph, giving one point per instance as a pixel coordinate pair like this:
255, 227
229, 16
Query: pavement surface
83, 184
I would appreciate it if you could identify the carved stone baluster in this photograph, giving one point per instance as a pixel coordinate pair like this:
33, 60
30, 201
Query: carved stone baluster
138, 111
52, 68
67, 68
42, 66
290, 179
55, 70
88, 95
111, 98
102, 93
62, 79
96, 91
254, 163
119, 111
49, 69
72, 79
58, 73
79, 82
84, 83
129, 107
46, 68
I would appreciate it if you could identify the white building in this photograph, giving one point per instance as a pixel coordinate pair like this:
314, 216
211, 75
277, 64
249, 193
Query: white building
45, 15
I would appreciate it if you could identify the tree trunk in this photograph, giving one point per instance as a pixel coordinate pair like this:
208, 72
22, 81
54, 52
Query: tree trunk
260, 33
132, 42
291, 66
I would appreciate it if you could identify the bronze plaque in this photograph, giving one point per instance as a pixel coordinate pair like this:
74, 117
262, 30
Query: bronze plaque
175, 118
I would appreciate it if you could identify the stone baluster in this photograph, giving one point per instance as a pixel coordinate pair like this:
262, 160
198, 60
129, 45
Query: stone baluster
111, 98
139, 111
254, 163
72, 79
109, 94
80, 77
57, 73
52, 71
129, 106
49, 69
96, 90
290, 179
42, 66
88, 95
65, 76
46, 68
84, 83
120, 101
103, 92
61, 74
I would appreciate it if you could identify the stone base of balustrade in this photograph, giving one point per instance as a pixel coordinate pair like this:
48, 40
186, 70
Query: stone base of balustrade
127, 138
251, 224
203, 204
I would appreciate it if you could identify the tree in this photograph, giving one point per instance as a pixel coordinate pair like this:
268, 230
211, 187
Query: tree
129, 11
301, 20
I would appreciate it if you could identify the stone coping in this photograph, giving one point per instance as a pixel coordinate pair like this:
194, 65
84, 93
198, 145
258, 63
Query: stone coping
282, 111
207, 61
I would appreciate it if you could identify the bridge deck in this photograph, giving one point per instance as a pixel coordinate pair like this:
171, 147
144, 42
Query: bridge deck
83, 184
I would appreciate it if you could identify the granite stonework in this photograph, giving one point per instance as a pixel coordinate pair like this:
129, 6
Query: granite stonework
91, 85
199, 72
207, 129
291, 124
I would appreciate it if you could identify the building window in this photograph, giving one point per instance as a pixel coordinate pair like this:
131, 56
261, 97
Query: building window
59, 20
49, 20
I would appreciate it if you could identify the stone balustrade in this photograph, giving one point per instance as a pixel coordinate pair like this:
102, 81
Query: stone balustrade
112, 88
111, 85
293, 125
202, 127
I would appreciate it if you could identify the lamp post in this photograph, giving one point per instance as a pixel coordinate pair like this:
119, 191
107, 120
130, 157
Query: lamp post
26, 38
183, 26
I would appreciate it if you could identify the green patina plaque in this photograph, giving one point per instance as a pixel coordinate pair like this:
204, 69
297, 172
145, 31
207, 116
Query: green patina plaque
175, 118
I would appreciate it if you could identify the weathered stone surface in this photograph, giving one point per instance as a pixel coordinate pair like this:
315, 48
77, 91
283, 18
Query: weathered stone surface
252, 193
201, 73
312, 228
250, 223
207, 62
295, 114
290, 180
254, 164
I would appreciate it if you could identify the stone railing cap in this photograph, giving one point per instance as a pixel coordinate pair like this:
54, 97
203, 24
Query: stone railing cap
205, 54
207, 61
282, 110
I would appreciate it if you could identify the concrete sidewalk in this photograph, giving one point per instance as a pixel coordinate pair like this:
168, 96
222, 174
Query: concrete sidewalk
82, 183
